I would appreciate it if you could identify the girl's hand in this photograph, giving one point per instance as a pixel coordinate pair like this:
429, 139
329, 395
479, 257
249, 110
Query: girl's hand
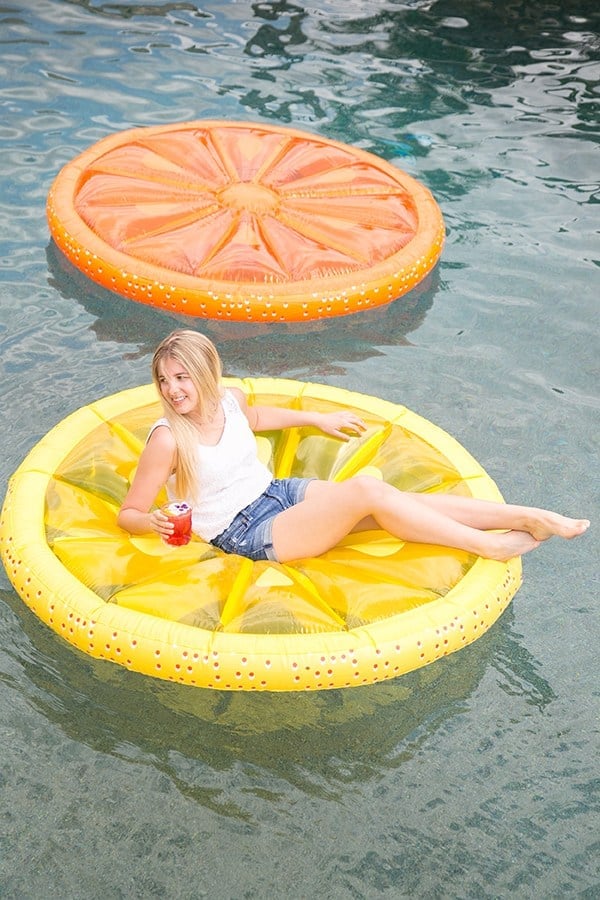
342, 424
160, 524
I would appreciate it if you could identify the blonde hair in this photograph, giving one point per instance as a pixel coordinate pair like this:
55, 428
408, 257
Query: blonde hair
198, 356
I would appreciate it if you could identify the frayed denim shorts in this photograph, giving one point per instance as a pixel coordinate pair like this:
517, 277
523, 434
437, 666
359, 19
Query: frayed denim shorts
251, 532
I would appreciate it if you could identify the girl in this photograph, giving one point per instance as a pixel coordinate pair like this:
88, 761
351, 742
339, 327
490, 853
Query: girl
204, 450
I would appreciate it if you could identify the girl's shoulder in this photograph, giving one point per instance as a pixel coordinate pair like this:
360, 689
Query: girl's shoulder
162, 421
234, 397
239, 403
163, 434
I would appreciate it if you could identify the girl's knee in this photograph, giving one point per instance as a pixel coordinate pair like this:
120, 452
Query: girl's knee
371, 489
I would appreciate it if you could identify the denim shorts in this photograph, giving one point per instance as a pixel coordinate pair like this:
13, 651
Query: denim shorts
251, 532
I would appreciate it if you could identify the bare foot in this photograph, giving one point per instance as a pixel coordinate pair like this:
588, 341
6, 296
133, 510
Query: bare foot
509, 544
544, 524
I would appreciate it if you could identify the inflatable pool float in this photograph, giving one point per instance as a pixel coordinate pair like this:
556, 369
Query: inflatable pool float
243, 221
370, 609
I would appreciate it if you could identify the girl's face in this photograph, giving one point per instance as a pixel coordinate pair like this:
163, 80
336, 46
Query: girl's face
177, 387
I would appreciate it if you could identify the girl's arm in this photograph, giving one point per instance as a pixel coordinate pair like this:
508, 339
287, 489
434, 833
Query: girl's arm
156, 463
273, 418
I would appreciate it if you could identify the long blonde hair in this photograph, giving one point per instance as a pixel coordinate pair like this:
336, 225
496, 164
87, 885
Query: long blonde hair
198, 356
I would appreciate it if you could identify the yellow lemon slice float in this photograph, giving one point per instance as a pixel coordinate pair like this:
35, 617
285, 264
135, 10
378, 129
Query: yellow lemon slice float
371, 608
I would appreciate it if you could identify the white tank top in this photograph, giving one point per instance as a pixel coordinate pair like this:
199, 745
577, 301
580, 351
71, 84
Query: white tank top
230, 473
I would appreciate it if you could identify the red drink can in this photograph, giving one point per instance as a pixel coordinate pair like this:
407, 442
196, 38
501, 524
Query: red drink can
180, 514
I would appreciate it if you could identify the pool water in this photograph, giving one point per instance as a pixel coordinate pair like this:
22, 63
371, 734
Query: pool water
475, 776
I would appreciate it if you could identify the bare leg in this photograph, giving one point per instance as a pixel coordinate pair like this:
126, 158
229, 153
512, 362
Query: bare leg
330, 511
487, 515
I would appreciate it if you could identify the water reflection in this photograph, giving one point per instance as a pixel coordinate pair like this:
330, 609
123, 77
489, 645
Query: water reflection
318, 347
317, 742
519, 675
134, 9
402, 54
280, 34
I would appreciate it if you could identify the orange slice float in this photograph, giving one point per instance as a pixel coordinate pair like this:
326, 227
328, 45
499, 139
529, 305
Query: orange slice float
243, 221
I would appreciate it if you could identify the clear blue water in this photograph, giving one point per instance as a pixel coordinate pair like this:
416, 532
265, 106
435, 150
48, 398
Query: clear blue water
475, 777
